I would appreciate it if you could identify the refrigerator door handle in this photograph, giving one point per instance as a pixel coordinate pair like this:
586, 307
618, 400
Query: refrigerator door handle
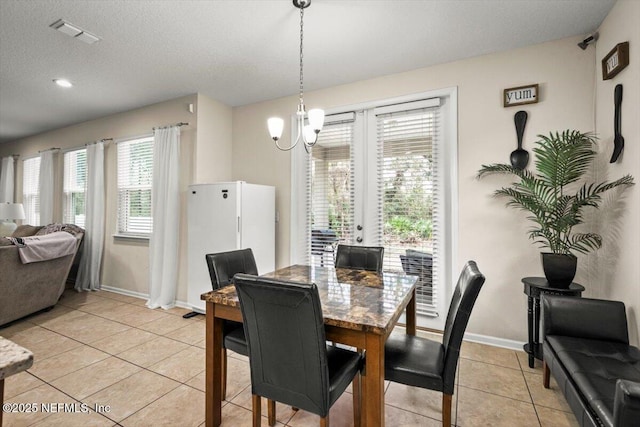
238, 224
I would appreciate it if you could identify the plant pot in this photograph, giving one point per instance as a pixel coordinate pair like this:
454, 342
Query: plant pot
559, 269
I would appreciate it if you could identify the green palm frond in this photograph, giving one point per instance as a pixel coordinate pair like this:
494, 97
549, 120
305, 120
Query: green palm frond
561, 159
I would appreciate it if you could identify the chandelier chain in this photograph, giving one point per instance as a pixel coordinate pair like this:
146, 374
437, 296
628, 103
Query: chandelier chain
301, 55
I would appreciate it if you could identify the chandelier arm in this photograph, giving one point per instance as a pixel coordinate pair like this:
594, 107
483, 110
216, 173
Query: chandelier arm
300, 137
286, 148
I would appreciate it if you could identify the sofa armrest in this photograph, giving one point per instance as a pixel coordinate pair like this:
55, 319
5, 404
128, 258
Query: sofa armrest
584, 318
626, 405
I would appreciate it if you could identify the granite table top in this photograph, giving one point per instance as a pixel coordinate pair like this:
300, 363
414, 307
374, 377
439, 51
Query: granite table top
13, 358
352, 299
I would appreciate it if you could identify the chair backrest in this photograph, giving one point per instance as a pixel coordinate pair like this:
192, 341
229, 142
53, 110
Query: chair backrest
360, 257
464, 298
224, 265
417, 263
284, 328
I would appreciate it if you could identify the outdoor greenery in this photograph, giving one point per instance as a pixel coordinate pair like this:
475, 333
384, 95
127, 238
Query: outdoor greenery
339, 203
408, 202
562, 160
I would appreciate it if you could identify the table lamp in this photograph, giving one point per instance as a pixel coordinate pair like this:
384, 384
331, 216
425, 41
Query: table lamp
9, 212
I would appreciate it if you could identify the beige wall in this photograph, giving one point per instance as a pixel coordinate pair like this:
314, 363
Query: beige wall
489, 233
616, 269
213, 151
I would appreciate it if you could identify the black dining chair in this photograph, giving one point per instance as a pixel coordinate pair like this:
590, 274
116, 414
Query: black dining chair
424, 363
289, 358
222, 267
360, 257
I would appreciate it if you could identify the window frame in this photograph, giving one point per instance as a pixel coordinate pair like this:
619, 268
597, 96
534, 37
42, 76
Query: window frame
448, 193
31, 198
65, 194
126, 233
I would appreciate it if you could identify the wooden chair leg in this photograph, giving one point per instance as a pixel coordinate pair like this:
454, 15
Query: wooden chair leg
446, 410
224, 374
546, 373
356, 400
257, 412
271, 412
324, 422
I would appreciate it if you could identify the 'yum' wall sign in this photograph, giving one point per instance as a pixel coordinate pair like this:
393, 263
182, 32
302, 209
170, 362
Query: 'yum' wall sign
520, 95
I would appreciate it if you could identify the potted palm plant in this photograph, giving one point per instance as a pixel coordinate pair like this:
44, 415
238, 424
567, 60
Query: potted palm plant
555, 196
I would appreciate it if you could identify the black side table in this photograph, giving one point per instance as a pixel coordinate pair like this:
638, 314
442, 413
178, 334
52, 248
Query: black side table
534, 287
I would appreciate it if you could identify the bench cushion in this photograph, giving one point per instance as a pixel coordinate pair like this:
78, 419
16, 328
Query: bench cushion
594, 366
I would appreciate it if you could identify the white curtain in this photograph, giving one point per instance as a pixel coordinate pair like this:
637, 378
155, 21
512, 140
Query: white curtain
6, 180
89, 270
45, 184
165, 209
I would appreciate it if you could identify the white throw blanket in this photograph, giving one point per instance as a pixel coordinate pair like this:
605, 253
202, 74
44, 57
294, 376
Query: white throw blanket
44, 247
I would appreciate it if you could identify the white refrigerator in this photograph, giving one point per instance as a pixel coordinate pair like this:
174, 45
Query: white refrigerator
223, 217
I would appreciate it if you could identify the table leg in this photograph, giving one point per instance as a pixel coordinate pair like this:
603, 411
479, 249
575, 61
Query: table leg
536, 327
373, 382
411, 314
213, 375
530, 328
1, 398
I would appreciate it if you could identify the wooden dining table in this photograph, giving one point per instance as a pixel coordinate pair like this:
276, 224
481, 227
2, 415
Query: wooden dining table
360, 309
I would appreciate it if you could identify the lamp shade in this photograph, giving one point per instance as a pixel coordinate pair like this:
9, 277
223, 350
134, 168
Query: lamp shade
11, 211
316, 119
276, 126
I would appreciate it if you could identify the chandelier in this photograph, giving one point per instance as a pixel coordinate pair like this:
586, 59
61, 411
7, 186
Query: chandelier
315, 117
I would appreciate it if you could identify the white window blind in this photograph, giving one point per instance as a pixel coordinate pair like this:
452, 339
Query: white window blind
330, 177
407, 183
30, 192
74, 183
135, 174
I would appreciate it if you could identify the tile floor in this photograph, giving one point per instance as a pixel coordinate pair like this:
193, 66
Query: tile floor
114, 362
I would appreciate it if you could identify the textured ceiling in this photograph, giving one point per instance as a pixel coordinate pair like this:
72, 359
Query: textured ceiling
240, 51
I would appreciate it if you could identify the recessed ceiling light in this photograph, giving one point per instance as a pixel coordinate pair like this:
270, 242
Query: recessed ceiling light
62, 82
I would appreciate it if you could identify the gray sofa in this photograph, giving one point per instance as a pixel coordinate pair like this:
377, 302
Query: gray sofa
586, 348
28, 288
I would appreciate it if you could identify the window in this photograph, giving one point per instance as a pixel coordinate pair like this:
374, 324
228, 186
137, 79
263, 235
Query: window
407, 176
330, 174
384, 175
30, 190
74, 182
135, 174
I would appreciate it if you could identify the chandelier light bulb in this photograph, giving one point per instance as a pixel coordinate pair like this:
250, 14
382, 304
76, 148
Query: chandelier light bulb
316, 119
276, 126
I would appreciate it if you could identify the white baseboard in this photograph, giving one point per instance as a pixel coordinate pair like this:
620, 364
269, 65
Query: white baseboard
181, 304
494, 341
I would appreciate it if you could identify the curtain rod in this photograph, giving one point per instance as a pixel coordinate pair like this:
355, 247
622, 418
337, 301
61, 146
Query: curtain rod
49, 149
177, 124
107, 140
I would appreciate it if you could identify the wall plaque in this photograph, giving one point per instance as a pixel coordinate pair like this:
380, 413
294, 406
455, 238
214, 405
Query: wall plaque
615, 61
520, 95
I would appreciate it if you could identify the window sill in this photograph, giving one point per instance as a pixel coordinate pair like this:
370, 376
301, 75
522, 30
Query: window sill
130, 237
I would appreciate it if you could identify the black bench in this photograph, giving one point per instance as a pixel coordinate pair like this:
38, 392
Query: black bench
586, 348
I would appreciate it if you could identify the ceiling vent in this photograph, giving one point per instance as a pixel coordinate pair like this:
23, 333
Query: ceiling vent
74, 31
